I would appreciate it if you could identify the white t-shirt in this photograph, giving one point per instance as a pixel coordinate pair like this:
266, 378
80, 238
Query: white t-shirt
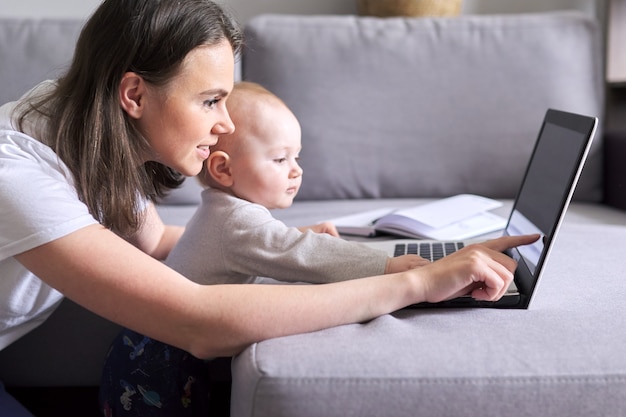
38, 204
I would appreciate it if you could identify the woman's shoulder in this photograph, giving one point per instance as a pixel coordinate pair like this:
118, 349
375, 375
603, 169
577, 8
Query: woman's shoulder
34, 124
20, 149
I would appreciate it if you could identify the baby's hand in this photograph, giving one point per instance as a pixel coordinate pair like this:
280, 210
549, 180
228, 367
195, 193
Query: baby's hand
325, 227
404, 263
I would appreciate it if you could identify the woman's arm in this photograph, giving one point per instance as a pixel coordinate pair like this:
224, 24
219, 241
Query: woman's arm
155, 238
114, 279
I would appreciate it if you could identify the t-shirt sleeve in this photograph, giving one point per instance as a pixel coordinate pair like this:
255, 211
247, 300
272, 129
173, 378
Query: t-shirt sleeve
260, 245
39, 201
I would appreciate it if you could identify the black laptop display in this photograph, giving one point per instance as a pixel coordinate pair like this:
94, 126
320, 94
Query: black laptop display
543, 197
546, 190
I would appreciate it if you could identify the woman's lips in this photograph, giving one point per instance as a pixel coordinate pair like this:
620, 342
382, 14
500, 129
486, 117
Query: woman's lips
204, 151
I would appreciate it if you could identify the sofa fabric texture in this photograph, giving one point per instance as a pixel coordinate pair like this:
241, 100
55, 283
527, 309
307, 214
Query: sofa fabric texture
34, 50
426, 94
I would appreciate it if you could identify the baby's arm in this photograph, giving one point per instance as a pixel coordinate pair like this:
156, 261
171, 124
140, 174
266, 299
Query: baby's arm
287, 254
396, 264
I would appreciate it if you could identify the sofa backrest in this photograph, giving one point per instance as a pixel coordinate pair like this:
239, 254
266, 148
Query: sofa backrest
426, 107
391, 107
33, 50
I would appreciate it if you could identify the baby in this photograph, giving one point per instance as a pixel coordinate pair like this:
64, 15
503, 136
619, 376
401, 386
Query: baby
233, 238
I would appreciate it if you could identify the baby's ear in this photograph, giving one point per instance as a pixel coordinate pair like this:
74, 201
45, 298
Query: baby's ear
218, 168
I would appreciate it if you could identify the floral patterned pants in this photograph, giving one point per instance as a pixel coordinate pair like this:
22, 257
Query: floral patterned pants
144, 377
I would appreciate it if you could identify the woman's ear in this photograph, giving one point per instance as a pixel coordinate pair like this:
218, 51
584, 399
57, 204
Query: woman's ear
132, 90
218, 168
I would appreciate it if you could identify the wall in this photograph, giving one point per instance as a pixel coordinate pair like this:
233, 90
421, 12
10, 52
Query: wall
244, 9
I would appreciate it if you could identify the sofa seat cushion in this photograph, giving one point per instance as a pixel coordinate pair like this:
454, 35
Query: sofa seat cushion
562, 357
426, 107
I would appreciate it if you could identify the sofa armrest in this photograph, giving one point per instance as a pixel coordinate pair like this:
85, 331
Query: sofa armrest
615, 169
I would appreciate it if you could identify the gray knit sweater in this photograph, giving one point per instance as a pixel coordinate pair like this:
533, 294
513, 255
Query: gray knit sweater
230, 240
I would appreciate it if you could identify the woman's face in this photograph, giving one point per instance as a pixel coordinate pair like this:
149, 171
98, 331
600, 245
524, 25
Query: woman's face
180, 121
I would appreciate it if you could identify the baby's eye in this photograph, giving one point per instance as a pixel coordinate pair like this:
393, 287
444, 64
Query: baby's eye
280, 160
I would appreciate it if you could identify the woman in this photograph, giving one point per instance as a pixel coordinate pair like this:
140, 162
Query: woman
83, 158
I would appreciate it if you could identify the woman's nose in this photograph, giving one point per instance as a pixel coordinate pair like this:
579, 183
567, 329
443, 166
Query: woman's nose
225, 126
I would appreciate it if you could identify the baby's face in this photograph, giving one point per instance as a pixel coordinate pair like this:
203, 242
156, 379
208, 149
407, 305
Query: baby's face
265, 166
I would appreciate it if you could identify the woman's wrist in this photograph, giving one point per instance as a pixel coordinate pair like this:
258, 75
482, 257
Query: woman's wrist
415, 289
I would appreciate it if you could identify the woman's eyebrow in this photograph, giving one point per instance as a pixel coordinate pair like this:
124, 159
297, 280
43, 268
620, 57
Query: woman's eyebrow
215, 92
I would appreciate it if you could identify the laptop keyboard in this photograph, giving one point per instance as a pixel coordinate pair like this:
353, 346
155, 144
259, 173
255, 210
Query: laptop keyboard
427, 250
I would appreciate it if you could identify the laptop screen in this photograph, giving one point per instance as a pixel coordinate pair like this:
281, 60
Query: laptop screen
547, 188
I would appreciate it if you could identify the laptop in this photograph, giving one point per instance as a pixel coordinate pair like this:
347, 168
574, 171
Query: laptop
547, 187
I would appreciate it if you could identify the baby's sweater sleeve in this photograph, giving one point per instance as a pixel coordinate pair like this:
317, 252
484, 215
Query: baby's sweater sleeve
260, 245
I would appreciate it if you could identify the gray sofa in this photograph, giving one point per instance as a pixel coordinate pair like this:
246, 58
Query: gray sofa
395, 112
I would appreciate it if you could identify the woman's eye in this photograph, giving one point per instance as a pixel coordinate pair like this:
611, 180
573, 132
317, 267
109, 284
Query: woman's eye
211, 103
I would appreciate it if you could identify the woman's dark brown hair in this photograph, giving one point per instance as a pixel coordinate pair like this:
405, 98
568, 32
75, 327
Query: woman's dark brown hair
87, 127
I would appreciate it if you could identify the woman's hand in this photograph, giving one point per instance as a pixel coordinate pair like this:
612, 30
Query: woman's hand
480, 270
